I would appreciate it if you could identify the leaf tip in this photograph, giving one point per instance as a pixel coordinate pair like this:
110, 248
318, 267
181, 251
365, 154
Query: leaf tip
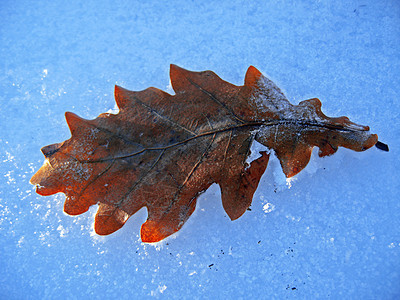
49, 150
74, 121
252, 76
372, 141
294, 162
173, 67
150, 232
177, 76
121, 96
109, 219
75, 207
175, 70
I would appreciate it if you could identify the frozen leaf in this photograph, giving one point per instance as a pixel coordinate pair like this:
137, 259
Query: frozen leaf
162, 151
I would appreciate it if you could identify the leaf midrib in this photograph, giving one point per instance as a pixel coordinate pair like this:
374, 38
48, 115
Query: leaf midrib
255, 124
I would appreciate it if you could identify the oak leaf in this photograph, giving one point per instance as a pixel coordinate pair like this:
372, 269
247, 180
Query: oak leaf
162, 151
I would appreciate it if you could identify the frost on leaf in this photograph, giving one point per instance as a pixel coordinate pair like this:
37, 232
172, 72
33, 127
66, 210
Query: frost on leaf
161, 151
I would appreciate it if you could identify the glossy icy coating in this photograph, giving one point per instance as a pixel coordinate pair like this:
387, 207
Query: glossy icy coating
162, 151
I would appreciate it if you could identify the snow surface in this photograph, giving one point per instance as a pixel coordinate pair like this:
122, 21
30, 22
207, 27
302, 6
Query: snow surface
332, 232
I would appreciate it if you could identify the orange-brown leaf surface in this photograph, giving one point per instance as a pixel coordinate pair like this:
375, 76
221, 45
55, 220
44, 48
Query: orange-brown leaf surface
162, 151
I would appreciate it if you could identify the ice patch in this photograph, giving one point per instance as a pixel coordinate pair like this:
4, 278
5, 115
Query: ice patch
169, 88
255, 150
161, 289
114, 110
63, 231
10, 177
9, 158
314, 164
280, 180
293, 218
289, 181
21, 242
268, 207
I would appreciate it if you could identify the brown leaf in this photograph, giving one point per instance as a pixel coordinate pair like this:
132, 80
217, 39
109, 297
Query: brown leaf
162, 151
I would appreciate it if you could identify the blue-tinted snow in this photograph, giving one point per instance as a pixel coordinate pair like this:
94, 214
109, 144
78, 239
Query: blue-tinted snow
334, 233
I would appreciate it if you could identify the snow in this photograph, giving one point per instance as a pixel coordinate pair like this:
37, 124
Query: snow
335, 233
